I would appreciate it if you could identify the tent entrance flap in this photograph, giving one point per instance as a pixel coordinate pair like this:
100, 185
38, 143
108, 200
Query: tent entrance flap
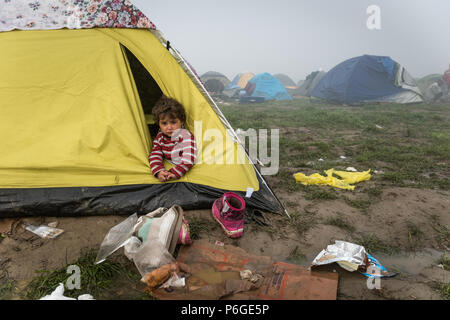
148, 90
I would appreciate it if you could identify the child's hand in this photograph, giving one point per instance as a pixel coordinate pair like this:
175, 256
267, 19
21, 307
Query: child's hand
171, 176
163, 176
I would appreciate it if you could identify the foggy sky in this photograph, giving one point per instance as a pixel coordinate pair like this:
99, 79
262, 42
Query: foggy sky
296, 37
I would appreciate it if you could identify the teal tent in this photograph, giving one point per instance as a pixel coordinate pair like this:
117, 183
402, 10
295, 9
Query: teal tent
267, 86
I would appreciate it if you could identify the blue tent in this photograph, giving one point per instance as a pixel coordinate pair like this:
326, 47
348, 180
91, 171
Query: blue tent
368, 78
267, 86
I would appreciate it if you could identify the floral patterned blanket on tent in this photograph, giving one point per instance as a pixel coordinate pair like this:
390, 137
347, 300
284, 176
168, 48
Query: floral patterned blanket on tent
72, 14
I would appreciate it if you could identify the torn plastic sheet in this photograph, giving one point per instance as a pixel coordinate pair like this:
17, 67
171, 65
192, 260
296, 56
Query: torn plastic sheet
348, 178
351, 257
116, 238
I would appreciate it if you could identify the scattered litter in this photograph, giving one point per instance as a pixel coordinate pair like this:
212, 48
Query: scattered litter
249, 192
159, 276
53, 224
343, 157
348, 178
350, 257
351, 169
248, 275
149, 241
441, 266
215, 273
174, 282
58, 294
86, 297
378, 171
320, 159
44, 231
379, 127
219, 243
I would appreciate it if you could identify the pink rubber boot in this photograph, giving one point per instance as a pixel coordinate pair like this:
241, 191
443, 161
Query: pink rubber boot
228, 211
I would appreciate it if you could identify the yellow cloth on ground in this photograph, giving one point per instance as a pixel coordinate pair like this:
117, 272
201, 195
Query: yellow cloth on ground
348, 178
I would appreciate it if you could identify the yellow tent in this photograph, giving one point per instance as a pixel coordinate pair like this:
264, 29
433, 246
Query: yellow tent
243, 80
74, 113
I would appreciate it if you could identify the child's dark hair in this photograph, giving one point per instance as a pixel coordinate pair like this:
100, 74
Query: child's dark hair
166, 106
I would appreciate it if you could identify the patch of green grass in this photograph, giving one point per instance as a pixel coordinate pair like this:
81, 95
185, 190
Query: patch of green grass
442, 231
361, 204
444, 261
444, 289
302, 221
197, 226
412, 144
7, 287
296, 256
313, 192
320, 193
374, 192
94, 278
395, 177
374, 245
415, 235
372, 129
340, 223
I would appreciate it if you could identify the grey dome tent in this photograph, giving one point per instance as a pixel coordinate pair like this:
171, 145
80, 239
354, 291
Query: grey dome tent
310, 82
285, 80
215, 75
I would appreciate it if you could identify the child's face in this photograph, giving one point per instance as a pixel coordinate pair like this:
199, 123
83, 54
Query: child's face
169, 125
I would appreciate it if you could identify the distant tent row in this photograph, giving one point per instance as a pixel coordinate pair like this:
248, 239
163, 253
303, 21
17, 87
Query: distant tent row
257, 88
362, 79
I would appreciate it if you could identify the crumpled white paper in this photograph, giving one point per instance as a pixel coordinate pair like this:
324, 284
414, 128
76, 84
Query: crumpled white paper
348, 255
58, 294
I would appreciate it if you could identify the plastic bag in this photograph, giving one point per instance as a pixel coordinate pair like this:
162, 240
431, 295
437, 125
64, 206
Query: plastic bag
150, 255
159, 231
131, 247
116, 238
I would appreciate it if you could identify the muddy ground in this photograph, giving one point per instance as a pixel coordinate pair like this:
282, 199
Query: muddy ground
413, 256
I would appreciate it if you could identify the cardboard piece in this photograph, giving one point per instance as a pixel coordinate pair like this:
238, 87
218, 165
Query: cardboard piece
215, 274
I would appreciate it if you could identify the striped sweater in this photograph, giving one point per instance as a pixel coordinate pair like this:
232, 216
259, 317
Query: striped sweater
181, 151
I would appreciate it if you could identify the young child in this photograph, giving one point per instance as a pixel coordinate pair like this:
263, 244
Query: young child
173, 142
